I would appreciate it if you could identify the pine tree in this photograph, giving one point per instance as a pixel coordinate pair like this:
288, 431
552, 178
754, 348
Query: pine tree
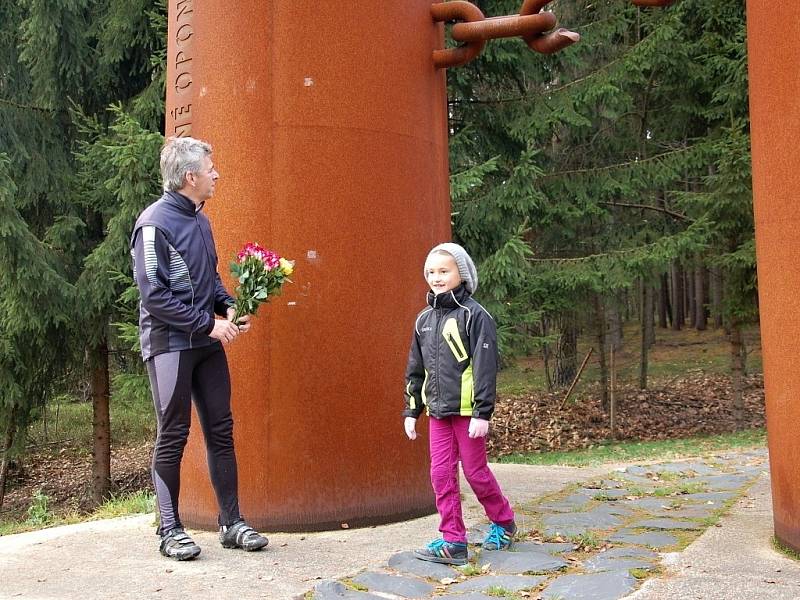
80, 106
571, 170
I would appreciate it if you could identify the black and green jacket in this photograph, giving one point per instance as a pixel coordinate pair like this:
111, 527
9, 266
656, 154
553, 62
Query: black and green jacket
452, 364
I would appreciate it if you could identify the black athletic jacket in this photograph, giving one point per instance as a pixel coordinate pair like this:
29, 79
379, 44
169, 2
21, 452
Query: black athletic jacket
452, 364
175, 267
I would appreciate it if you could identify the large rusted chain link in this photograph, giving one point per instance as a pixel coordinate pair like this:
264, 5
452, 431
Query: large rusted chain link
546, 43
459, 10
475, 30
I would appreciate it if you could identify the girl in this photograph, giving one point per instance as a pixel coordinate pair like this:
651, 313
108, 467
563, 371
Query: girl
452, 370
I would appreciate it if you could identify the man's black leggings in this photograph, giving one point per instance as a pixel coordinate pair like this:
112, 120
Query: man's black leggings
175, 379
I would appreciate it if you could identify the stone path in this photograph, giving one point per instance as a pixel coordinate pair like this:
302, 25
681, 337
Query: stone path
596, 541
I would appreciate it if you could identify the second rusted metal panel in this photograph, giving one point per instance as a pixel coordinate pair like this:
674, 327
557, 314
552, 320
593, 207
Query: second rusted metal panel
773, 43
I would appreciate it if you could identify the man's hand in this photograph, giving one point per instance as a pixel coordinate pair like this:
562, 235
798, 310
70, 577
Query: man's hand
411, 427
478, 428
244, 320
224, 331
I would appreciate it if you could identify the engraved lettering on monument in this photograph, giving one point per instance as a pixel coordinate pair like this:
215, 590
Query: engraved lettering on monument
182, 115
180, 58
184, 33
184, 8
183, 130
183, 81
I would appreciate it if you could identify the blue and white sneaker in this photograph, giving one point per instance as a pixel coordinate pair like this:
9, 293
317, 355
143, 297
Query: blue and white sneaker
499, 537
441, 551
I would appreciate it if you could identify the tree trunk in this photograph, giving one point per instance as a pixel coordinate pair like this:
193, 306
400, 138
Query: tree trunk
101, 422
663, 301
701, 297
8, 441
737, 372
648, 333
650, 320
546, 355
615, 324
600, 323
691, 303
677, 297
567, 357
715, 285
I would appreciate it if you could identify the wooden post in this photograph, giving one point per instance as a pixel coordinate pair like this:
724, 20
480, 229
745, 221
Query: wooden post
577, 376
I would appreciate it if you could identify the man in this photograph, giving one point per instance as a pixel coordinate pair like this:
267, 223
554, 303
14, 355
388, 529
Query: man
175, 268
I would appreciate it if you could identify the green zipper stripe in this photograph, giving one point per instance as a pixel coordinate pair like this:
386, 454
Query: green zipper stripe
453, 339
412, 402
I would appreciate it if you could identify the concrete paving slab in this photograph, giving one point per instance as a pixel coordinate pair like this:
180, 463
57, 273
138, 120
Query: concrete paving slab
602, 563
333, 590
611, 585
549, 547
119, 558
398, 585
578, 523
406, 562
122, 554
519, 563
734, 561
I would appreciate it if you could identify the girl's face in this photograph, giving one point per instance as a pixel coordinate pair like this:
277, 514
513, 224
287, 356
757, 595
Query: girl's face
441, 273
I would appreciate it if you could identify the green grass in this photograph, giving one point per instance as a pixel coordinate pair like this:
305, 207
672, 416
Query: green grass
640, 573
354, 585
469, 569
633, 451
69, 421
122, 505
785, 550
39, 515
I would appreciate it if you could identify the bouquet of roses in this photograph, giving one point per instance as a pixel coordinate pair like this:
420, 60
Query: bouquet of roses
260, 273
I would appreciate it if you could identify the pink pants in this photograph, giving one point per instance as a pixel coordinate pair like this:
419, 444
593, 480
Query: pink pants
450, 442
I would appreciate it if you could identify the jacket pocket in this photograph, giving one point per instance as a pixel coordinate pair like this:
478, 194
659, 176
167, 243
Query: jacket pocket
453, 339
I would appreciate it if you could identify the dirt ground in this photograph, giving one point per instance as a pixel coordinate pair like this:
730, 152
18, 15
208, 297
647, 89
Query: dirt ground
533, 422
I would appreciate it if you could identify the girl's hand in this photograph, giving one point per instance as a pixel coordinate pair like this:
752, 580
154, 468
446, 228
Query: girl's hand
411, 427
478, 428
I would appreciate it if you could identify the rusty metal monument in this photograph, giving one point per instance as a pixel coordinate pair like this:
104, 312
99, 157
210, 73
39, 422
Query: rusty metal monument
329, 126
773, 48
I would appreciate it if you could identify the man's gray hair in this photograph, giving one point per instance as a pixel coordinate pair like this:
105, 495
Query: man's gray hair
179, 156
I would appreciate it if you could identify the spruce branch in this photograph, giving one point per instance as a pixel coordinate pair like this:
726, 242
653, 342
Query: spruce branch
661, 209
48, 111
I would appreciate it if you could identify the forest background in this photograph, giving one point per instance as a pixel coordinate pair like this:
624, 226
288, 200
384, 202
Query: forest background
604, 192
